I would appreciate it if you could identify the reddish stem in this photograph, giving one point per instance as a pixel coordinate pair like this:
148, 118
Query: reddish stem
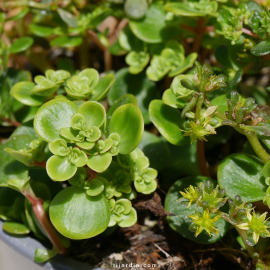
189, 28
204, 167
91, 174
250, 33
13, 123
200, 30
40, 164
37, 206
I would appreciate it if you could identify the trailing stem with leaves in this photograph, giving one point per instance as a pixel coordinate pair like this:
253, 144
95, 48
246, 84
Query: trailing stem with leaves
74, 139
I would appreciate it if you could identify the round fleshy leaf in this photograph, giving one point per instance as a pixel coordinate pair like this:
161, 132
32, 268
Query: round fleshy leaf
150, 187
22, 92
21, 44
78, 216
67, 41
43, 255
126, 204
58, 147
78, 178
140, 186
129, 219
150, 173
169, 98
183, 9
120, 101
127, 122
241, 174
86, 145
52, 117
96, 187
178, 89
135, 9
151, 30
82, 159
186, 64
77, 121
9, 167
91, 74
168, 122
93, 112
60, 169
261, 49
128, 41
15, 228
266, 169
69, 133
41, 31
96, 133
127, 161
103, 87
181, 222
138, 85
99, 163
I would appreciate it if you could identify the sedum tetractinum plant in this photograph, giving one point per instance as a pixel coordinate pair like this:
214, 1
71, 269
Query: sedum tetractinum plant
74, 139
92, 92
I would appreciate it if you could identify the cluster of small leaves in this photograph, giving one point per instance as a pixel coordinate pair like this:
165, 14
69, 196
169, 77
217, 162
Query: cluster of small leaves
83, 141
232, 21
241, 214
85, 85
170, 60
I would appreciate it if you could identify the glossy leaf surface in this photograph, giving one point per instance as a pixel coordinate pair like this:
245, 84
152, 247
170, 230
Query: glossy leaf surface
181, 222
77, 215
241, 174
168, 121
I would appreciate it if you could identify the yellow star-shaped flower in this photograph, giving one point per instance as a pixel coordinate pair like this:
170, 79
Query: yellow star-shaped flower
256, 223
205, 222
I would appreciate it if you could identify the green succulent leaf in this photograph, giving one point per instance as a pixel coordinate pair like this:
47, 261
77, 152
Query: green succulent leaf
21, 44
60, 169
241, 174
40, 30
43, 255
261, 49
10, 168
128, 41
52, 117
151, 30
79, 216
135, 9
67, 17
22, 92
186, 64
138, 85
169, 98
93, 112
168, 121
95, 187
103, 87
129, 220
67, 41
125, 99
127, 122
137, 61
181, 222
99, 163
190, 10
158, 68
15, 228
